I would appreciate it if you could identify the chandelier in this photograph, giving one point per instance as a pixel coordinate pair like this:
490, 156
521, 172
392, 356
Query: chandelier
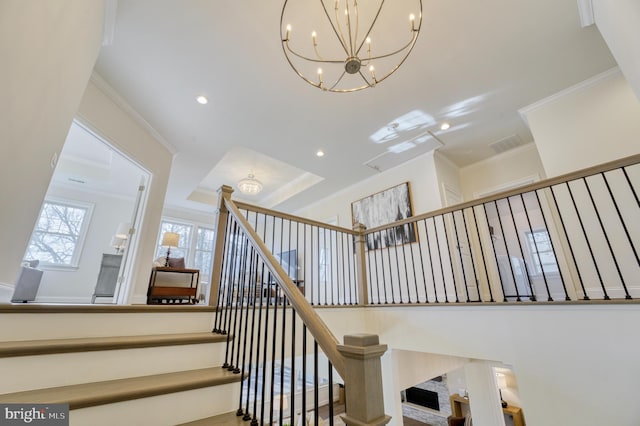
351, 44
250, 185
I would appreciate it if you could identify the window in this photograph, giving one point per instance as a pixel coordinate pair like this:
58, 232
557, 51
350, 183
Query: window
59, 233
197, 252
182, 229
539, 244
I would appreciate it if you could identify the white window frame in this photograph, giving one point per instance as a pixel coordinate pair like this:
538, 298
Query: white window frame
537, 268
191, 246
77, 251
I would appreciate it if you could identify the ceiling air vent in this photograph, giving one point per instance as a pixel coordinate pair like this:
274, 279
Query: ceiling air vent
506, 144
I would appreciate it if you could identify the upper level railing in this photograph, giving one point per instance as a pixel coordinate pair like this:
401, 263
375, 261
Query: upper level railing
574, 237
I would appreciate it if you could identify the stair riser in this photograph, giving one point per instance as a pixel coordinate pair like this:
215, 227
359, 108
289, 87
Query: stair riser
169, 410
34, 326
43, 371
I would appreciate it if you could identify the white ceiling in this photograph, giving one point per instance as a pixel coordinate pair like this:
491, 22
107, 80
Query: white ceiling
474, 65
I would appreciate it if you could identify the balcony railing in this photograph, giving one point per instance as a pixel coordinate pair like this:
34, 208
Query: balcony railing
574, 237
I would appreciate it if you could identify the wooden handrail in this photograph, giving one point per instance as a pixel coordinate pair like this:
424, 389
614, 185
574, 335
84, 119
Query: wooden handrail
546, 183
257, 209
318, 329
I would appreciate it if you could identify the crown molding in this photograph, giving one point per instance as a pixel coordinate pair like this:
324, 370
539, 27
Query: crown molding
111, 93
596, 79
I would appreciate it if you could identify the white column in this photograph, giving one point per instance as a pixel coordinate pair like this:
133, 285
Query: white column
483, 394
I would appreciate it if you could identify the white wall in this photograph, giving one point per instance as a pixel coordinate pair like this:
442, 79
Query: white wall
419, 172
104, 114
77, 285
588, 124
575, 365
516, 165
48, 50
619, 24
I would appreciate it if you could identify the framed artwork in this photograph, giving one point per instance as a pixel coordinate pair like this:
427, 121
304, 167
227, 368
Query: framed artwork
382, 208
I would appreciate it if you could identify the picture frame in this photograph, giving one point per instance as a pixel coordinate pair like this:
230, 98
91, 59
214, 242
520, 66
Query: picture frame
382, 208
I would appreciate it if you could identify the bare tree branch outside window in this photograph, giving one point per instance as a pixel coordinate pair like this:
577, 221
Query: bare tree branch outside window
56, 234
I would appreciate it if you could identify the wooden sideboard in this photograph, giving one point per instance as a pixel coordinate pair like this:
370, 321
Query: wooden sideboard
173, 294
458, 402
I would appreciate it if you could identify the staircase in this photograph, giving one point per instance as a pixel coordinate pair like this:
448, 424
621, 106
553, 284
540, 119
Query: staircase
118, 365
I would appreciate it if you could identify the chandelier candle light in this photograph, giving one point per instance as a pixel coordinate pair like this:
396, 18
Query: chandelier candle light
353, 44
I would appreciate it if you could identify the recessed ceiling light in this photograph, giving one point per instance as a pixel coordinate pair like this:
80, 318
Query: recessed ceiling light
445, 126
320, 153
202, 100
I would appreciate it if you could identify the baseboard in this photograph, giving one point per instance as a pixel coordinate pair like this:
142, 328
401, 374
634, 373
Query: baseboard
6, 292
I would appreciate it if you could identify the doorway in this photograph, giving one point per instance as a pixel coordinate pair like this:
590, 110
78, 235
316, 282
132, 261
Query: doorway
84, 238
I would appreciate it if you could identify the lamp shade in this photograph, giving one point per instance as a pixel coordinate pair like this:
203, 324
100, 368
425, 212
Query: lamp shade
170, 239
123, 230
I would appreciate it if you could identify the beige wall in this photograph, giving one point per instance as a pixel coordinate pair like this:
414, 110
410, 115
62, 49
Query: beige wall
588, 124
48, 50
619, 24
107, 118
514, 166
420, 172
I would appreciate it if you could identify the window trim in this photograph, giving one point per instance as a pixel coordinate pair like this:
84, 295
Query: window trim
82, 236
190, 248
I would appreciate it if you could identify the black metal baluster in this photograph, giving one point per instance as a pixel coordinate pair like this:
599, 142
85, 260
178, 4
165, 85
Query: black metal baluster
473, 263
316, 380
450, 254
395, 249
304, 373
553, 248
414, 228
331, 414
229, 360
250, 303
324, 266
424, 275
282, 365
292, 387
606, 237
344, 258
243, 286
273, 357
265, 350
221, 282
375, 253
484, 262
535, 243
352, 278
388, 249
495, 252
532, 297
223, 287
506, 246
464, 273
573, 256
584, 232
433, 274
406, 271
254, 420
633, 190
444, 280
624, 225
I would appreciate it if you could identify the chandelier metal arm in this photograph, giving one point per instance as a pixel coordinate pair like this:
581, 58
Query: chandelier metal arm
351, 37
364, 39
332, 88
386, 55
285, 42
339, 35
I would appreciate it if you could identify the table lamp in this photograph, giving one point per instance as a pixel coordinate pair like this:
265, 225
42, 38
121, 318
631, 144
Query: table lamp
170, 239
